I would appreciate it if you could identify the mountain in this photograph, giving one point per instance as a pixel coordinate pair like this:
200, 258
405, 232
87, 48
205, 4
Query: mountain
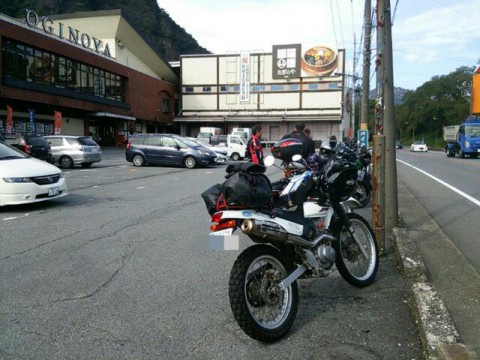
163, 34
398, 94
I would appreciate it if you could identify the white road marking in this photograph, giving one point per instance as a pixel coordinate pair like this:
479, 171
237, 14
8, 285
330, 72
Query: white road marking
16, 217
466, 196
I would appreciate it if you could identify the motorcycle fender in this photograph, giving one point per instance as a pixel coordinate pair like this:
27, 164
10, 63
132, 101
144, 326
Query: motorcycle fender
352, 203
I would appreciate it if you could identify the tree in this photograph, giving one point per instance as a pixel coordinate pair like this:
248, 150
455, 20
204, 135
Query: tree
444, 100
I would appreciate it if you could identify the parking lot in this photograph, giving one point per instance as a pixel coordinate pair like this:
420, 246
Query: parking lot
120, 269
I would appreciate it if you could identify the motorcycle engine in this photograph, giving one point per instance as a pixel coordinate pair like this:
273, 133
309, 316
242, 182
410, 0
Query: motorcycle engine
326, 256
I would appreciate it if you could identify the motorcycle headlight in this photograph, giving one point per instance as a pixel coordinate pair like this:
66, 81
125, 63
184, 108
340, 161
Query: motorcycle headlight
15, 180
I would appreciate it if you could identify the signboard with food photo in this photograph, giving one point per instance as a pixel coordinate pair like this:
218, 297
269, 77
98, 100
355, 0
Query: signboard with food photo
295, 61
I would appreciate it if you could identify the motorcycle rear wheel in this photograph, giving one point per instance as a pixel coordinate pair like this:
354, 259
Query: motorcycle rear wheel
350, 261
261, 308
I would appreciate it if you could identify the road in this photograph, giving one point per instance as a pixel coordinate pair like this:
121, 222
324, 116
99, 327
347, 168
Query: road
450, 192
448, 189
120, 269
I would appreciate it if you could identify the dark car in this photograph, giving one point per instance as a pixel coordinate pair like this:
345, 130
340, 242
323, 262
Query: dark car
167, 149
33, 145
398, 145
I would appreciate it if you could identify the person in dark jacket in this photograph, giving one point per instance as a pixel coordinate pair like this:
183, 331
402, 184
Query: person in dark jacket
299, 134
254, 147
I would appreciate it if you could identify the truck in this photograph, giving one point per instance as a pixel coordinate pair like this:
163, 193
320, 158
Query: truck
243, 132
206, 132
236, 145
463, 139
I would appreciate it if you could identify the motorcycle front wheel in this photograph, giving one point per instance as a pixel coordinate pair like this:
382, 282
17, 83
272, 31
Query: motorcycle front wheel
262, 309
350, 260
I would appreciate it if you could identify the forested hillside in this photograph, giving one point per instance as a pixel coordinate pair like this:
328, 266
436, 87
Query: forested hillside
165, 36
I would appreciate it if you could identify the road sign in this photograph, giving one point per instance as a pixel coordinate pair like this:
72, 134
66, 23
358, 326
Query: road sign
363, 138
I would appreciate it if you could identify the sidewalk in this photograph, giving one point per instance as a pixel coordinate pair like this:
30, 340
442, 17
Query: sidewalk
444, 287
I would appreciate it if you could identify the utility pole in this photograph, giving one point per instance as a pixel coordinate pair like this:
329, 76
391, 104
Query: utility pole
366, 66
391, 194
378, 205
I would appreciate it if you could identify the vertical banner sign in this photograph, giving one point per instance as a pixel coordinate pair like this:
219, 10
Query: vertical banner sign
244, 77
32, 120
9, 125
363, 138
57, 122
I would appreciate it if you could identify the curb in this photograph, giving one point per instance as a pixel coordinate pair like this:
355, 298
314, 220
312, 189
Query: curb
438, 334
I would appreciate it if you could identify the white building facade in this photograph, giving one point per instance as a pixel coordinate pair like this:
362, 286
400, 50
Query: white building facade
276, 90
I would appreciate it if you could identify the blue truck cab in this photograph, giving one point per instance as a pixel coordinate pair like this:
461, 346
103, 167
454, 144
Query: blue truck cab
464, 139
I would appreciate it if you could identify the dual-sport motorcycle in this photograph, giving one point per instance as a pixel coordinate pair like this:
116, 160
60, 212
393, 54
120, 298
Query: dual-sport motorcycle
291, 244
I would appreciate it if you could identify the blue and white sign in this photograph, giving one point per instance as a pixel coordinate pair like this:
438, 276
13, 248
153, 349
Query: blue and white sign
32, 120
363, 138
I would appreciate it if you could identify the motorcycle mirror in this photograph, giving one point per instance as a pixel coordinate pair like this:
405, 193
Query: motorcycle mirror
296, 157
269, 160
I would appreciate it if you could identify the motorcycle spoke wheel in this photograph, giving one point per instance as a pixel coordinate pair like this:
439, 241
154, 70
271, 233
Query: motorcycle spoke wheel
351, 262
262, 309
362, 194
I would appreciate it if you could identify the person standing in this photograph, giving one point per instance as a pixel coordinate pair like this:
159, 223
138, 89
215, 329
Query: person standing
299, 134
254, 146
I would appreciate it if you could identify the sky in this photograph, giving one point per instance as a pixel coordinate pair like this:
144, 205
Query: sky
429, 37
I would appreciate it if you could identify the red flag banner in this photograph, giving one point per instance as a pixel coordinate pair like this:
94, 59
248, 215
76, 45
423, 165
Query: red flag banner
57, 122
9, 125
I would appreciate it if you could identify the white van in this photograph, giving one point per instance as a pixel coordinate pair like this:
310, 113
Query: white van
236, 145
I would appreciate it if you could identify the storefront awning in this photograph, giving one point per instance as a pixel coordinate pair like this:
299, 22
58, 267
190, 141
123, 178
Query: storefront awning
112, 115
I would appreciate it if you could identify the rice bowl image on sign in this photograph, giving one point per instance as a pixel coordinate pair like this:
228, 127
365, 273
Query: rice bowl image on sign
319, 60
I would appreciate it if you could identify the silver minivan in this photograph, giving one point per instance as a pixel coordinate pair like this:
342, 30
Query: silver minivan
68, 150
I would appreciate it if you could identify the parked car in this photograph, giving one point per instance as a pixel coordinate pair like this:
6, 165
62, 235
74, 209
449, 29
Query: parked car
167, 149
398, 145
25, 179
69, 151
33, 145
220, 151
419, 146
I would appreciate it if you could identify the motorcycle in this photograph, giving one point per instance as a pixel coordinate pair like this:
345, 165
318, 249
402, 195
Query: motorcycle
363, 188
302, 239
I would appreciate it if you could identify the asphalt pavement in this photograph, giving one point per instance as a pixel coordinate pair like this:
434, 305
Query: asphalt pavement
444, 287
401, 315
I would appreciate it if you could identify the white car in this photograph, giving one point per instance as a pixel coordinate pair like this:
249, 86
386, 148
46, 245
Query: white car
221, 151
24, 179
419, 146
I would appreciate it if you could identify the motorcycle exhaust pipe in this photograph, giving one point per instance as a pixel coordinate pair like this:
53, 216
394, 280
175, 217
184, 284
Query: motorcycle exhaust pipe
271, 231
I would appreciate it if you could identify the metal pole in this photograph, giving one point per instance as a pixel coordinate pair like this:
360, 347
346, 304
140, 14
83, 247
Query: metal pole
366, 66
391, 195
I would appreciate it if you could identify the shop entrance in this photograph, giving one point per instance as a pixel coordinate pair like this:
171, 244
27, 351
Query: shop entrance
103, 132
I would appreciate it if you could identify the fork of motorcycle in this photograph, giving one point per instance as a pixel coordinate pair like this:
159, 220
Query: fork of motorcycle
285, 283
342, 214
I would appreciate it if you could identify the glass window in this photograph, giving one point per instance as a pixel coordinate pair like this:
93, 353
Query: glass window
276, 87
169, 142
154, 140
166, 106
312, 86
207, 89
189, 89
138, 140
55, 141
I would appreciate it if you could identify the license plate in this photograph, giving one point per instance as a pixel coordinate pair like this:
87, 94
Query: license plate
53, 191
